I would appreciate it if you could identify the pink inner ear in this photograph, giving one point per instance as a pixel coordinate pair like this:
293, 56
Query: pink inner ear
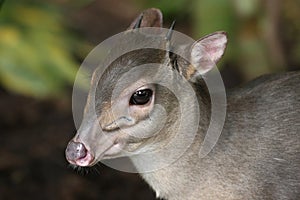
207, 51
214, 46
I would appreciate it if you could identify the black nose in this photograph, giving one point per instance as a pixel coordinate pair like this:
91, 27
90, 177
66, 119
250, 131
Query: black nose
75, 151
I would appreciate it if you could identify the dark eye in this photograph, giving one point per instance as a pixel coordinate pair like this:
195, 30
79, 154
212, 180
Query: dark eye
141, 97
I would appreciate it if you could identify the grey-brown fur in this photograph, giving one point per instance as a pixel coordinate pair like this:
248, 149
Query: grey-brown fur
256, 157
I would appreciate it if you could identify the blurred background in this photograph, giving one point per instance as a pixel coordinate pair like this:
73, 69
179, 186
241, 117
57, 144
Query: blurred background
42, 44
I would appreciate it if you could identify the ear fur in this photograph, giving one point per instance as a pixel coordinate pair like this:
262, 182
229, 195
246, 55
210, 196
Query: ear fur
152, 17
207, 51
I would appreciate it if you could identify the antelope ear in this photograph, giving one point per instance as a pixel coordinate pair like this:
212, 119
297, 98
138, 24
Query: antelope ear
207, 51
151, 17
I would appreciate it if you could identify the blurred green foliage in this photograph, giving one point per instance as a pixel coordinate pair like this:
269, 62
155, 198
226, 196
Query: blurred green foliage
1, 3
35, 50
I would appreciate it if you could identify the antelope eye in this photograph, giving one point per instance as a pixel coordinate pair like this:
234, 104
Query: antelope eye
141, 97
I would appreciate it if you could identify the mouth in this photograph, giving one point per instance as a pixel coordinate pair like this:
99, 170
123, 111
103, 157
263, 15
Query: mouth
86, 161
77, 154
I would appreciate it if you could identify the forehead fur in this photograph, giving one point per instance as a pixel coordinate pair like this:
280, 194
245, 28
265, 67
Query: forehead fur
107, 82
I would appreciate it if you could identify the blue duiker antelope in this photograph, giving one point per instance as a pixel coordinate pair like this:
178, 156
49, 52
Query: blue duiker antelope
257, 155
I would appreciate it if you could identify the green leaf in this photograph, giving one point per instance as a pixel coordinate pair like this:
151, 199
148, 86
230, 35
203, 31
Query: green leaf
36, 51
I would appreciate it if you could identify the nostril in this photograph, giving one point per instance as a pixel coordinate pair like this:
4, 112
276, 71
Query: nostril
75, 151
